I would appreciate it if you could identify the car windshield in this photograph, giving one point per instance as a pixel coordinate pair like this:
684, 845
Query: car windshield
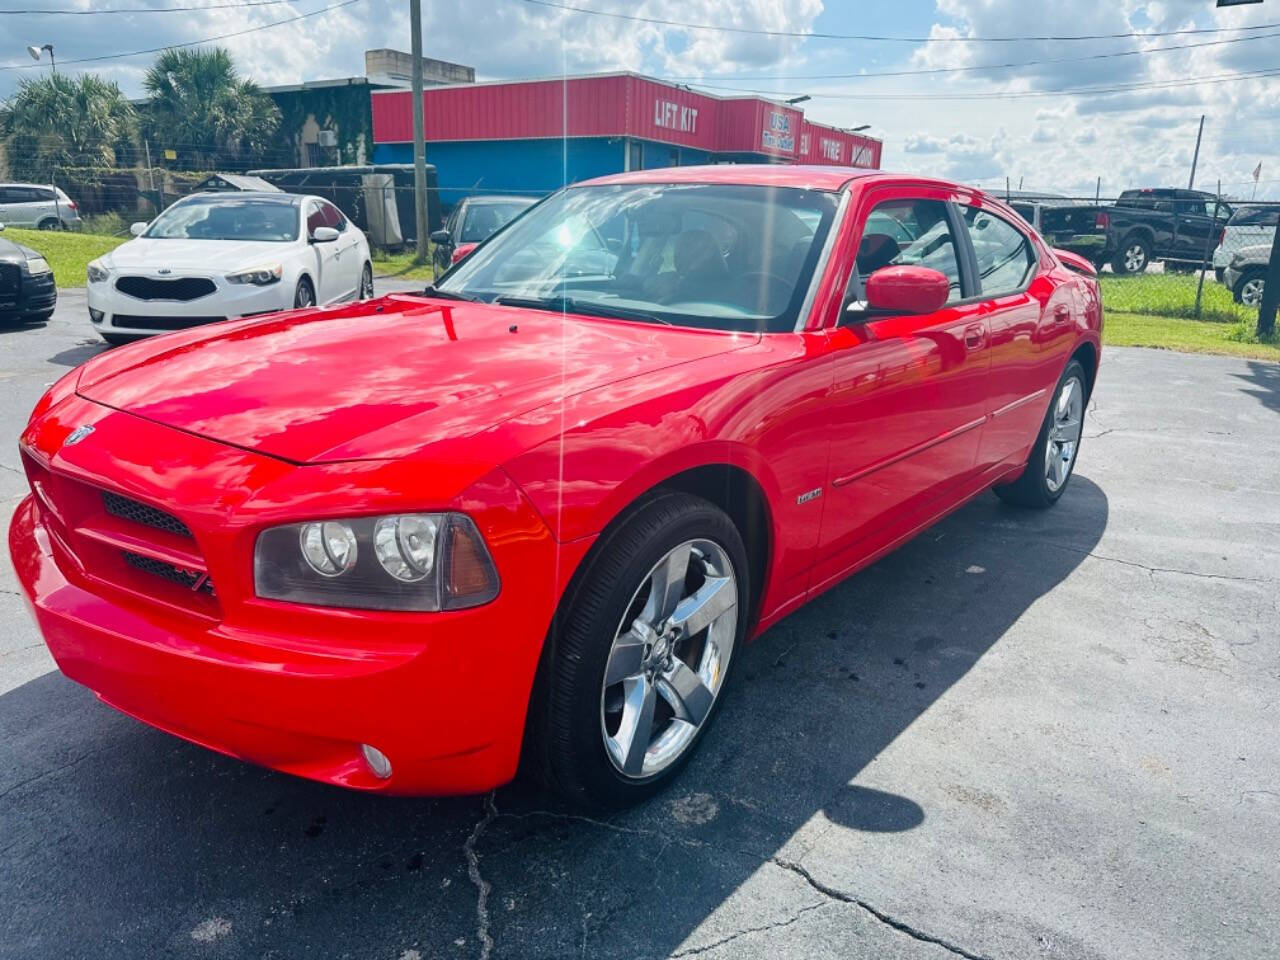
228, 219
482, 220
722, 257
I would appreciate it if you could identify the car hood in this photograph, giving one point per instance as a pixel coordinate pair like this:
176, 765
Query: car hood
379, 379
204, 256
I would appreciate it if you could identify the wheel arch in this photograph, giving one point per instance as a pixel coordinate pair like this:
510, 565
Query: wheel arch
1087, 354
730, 482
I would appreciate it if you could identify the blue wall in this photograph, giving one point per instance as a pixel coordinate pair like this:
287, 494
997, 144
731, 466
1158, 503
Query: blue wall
535, 167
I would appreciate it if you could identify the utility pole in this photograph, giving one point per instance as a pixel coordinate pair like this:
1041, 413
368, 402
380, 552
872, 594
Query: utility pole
1195, 157
419, 132
1270, 292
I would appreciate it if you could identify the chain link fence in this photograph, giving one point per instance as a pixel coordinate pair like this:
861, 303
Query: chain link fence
1200, 257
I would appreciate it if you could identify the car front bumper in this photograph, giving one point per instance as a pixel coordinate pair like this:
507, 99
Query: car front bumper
23, 295
296, 688
111, 311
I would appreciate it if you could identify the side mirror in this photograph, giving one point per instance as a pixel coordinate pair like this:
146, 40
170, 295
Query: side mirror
905, 290
441, 238
324, 235
462, 250
139, 228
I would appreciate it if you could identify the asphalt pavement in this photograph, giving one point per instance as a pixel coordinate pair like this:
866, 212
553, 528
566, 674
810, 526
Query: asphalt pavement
1023, 735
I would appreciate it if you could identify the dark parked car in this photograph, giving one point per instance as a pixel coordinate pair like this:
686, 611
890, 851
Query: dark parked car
471, 222
1180, 227
27, 291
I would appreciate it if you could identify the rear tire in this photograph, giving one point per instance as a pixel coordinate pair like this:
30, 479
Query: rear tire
50, 223
1134, 255
1249, 287
588, 705
1050, 466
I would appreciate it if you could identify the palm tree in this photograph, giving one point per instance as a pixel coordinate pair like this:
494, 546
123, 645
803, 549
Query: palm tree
199, 106
62, 120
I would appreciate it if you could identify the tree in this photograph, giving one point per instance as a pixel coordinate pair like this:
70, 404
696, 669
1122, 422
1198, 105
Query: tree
199, 106
62, 120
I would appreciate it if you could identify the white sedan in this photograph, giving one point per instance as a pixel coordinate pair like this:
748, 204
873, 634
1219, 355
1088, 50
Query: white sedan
218, 256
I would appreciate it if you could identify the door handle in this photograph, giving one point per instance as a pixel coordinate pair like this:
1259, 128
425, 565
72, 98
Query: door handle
973, 337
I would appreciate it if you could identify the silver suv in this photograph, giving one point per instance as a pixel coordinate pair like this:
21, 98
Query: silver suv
33, 205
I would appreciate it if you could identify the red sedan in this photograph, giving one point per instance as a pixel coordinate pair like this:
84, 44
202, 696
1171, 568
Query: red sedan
536, 511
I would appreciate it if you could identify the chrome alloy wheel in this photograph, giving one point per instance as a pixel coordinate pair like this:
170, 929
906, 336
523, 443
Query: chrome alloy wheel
366, 283
669, 658
1135, 258
1064, 433
1251, 291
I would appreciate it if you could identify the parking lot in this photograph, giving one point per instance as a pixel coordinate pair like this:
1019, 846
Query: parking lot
1022, 735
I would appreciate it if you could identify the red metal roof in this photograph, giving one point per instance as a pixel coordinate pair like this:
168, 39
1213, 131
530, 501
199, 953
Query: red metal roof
619, 105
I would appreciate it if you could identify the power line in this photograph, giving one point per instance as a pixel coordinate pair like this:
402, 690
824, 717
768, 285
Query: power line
816, 35
992, 66
1014, 94
190, 43
66, 12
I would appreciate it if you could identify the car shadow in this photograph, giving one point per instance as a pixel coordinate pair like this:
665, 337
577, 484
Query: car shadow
1264, 379
116, 839
81, 352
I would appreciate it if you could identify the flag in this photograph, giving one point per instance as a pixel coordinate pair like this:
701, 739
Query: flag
1257, 172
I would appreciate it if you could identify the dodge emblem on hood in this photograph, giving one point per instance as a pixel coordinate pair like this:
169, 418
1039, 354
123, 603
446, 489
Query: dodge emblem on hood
78, 434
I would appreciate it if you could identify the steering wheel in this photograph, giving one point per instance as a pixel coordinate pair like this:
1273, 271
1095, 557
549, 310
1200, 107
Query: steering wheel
751, 283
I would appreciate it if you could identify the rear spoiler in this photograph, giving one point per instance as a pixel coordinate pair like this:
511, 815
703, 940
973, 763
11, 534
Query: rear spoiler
1073, 261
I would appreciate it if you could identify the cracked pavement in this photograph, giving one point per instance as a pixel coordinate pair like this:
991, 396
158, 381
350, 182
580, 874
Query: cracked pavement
1020, 736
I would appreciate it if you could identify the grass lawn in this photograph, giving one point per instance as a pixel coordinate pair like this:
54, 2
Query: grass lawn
1170, 295
68, 253
400, 265
1190, 336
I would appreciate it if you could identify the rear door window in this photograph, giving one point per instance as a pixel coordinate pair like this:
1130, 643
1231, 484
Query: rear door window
1006, 259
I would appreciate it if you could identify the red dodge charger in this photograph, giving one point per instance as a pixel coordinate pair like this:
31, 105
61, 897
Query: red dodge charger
537, 510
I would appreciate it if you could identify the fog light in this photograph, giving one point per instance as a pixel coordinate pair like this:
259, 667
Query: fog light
95, 316
378, 763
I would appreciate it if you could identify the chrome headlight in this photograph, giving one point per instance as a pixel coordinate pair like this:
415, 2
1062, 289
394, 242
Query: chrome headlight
258, 276
38, 266
97, 272
407, 561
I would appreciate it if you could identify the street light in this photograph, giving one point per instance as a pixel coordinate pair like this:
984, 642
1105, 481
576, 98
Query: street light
35, 55
794, 100
865, 126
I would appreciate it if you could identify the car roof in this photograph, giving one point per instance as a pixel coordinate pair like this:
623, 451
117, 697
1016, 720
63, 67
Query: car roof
803, 176
746, 174
292, 199
500, 198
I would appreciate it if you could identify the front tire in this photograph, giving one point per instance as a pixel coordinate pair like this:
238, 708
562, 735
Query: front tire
366, 282
1053, 456
120, 339
304, 295
634, 672
1134, 256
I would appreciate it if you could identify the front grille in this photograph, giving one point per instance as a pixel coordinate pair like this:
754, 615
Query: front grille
10, 284
179, 288
128, 509
130, 321
191, 579
111, 541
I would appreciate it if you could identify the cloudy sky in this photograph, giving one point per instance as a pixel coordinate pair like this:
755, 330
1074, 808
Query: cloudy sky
978, 112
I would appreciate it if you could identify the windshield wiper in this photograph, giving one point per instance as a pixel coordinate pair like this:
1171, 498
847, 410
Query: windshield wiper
588, 308
431, 291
